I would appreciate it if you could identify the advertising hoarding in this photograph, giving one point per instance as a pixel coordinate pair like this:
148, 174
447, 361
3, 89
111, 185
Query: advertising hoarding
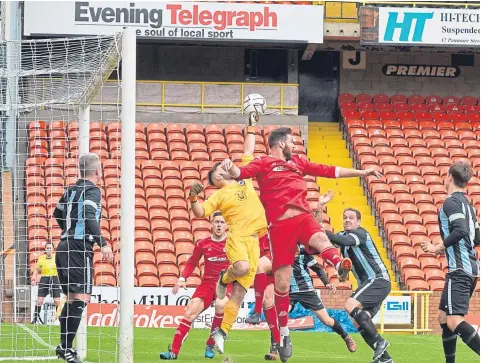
177, 20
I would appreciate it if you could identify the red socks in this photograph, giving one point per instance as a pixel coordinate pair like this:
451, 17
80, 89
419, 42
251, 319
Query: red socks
215, 324
180, 335
260, 284
271, 318
331, 255
281, 301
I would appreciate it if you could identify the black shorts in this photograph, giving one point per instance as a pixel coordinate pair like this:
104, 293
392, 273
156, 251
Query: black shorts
74, 260
458, 289
371, 294
49, 285
308, 299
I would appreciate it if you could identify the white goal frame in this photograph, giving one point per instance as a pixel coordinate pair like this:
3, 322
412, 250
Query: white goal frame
12, 72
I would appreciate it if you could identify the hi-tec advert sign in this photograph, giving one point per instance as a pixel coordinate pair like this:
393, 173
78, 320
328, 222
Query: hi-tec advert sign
414, 26
179, 20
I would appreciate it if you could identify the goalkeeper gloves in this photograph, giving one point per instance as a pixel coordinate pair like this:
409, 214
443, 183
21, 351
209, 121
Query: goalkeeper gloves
253, 118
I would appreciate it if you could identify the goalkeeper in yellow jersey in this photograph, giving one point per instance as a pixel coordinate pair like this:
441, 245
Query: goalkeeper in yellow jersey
48, 282
246, 220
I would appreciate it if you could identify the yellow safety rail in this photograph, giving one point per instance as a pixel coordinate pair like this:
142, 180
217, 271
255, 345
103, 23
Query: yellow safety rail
420, 311
281, 107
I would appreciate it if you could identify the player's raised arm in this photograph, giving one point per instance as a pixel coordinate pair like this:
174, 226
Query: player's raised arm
353, 238
250, 135
323, 200
246, 172
326, 171
203, 209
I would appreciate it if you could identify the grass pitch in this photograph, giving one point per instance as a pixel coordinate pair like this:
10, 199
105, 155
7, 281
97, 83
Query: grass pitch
34, 342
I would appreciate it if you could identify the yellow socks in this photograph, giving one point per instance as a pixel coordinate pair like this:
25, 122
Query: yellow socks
231, 310
229, 276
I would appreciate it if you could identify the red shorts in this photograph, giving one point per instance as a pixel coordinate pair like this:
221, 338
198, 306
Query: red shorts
206, 291
286, 234
265, 247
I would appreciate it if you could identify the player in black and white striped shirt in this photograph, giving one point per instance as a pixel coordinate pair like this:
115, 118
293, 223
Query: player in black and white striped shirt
373, 279
460, 233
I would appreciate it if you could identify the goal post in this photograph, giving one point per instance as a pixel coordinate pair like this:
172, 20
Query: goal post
127, 219
63, 107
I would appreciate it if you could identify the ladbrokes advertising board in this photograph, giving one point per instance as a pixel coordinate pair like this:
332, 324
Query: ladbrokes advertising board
414, 26
179, 20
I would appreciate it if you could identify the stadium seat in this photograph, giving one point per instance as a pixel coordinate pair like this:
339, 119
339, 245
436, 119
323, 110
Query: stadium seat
436, 285
345, 97
381, 98
398, 99
409, 274
152, 281
418, 285
363, 98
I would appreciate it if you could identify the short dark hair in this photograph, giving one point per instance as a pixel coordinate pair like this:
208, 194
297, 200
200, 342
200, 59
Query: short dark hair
358, 213
217, 214
278, 135
461, 172
211, 171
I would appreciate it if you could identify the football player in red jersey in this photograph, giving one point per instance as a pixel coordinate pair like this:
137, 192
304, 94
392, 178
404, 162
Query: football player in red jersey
283, 192
213, 251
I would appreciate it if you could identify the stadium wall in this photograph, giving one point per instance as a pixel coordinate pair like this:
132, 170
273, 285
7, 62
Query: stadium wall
372, 81
175, 63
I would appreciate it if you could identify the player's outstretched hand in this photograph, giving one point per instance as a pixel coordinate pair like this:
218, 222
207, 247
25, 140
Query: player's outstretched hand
253, 118
178, 285
226, 164
326, 198
374, 172
107, 254
429, 247
196, 189
331, 287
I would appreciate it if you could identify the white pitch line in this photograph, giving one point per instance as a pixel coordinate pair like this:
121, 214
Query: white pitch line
40, 341
27, 359
36, 337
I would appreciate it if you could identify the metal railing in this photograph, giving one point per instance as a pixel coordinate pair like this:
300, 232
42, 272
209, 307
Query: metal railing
203, 105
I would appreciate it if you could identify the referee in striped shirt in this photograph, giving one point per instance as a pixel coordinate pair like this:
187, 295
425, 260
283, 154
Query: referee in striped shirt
78, 214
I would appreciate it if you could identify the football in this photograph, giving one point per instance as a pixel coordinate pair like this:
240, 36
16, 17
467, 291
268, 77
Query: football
255, 102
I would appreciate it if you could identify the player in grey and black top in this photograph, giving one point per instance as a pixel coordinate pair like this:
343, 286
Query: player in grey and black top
78, 214
460, 233
302, 291
373, 279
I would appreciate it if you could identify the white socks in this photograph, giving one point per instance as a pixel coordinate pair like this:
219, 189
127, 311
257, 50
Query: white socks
284, 331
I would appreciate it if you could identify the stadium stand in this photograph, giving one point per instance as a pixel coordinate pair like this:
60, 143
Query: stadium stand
169, 160
413, 141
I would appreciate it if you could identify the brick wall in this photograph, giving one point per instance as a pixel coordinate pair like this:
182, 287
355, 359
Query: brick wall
337, 300
372, 81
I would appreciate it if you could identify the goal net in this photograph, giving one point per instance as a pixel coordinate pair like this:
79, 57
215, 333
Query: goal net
55, 105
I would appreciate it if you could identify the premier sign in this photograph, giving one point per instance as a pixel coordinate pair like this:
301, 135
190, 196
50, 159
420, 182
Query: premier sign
421, 70
178, 20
